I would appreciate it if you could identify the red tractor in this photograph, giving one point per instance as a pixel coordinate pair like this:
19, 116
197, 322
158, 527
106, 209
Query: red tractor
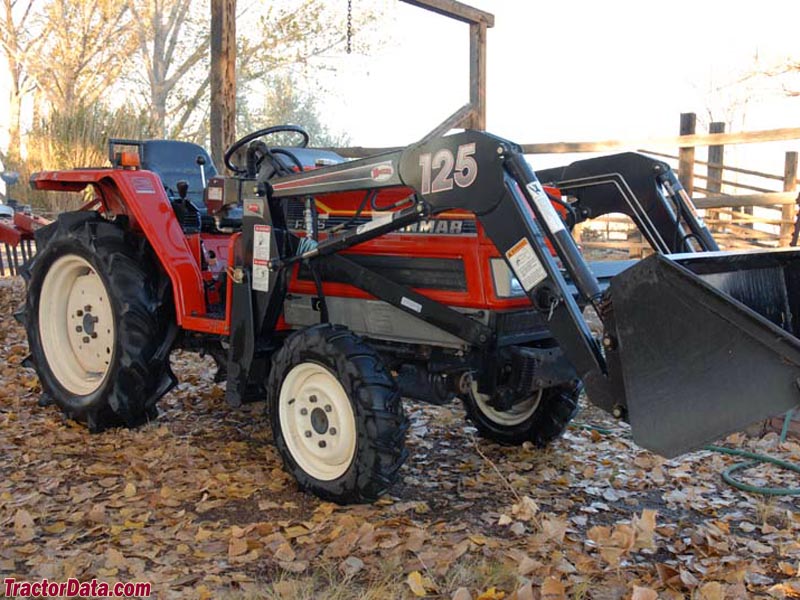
333, 288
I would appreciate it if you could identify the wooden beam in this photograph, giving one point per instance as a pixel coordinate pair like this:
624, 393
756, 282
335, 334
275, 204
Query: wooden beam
711, 139
460, 118
772, 199
455, 10
223, 78
712, 165
477, 74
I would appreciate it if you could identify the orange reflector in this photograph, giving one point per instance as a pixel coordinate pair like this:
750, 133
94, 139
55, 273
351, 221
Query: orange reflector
128, 159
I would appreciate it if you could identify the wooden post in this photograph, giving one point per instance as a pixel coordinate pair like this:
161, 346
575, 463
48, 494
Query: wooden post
478, 21
789, 211
223, 78
716, 156
686, 153
477, 74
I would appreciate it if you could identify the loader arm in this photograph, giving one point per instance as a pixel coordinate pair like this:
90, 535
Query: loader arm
640, 187
628, 376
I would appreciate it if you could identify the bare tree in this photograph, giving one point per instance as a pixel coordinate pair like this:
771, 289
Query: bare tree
20, 45
287, 102
171, 40
789, 74
88, 44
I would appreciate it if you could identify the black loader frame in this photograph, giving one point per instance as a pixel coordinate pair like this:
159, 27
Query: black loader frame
684, 329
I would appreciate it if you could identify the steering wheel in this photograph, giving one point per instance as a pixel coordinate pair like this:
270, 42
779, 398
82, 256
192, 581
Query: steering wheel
238, 144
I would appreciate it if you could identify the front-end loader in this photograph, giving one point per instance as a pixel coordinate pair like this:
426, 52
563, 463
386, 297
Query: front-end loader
332, 289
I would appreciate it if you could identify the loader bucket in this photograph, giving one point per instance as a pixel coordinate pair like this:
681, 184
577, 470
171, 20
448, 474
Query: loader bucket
708, 344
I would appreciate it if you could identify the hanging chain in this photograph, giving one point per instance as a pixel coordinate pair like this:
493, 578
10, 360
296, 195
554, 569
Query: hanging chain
349, 26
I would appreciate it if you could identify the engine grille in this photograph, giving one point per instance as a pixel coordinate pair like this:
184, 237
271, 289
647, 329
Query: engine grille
428, 273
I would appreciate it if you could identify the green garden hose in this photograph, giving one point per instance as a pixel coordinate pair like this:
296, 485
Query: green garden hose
754, 460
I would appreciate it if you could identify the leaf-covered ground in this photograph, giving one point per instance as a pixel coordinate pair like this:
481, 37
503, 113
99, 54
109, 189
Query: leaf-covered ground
198, 504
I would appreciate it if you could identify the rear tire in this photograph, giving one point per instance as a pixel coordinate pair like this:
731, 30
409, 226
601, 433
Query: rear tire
539, 420
337, 415
99, 320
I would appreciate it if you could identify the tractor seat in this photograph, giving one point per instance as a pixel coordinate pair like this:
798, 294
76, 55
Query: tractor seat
174, 161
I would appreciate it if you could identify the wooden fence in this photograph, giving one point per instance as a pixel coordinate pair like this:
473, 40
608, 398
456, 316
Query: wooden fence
744, 208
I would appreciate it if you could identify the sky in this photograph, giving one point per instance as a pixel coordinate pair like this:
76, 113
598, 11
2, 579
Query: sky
572, 70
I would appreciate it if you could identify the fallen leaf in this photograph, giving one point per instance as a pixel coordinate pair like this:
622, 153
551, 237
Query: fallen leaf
461, 593
645, 527
284, 553
297, 566
526, 509
24, 526
342, 547
554, 528
237, 546
553, 589
711, 591
97, 514
115, 559
419, 585
528, 565
492, 594
351, 565
642, 593
789, 569
478, 539
289, 590
295, 531
523, 593
689, 580
517, 528
56, 528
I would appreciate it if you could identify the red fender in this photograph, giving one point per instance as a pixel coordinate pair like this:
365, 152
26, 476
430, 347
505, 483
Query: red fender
140, 195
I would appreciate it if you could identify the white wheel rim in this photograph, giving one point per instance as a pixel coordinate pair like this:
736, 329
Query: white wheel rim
508, 418
76, 324
317, 421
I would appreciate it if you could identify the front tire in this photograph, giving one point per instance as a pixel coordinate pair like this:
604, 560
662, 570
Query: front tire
540, 419
99, 321
337, 416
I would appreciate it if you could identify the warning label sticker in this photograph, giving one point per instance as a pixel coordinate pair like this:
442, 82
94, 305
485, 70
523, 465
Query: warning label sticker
550, 215
526, 266
262, 235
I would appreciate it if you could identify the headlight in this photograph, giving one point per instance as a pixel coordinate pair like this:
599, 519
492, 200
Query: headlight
506, 285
